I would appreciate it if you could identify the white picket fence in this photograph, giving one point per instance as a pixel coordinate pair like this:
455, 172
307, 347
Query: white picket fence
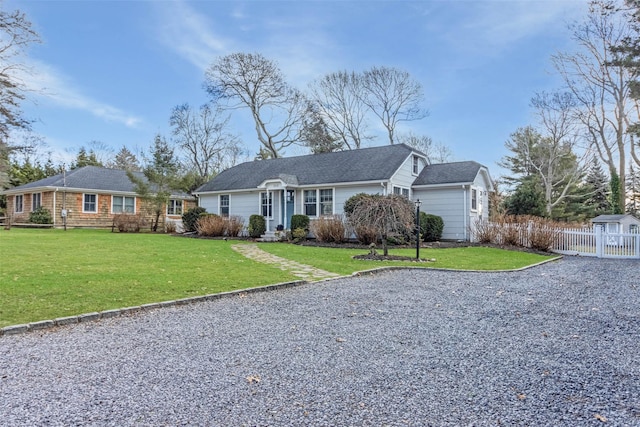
593, 241
598, 243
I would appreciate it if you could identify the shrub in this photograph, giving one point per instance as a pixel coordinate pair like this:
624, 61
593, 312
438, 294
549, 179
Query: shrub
484, 231
257, 226
128, 222
298, 234
431, 227
299, 221
190, 218
542, 235
210, 225
170, 227
235, 224
40, 216
329, 229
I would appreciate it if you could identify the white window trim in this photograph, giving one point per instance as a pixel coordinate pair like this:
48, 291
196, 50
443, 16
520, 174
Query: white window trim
84, 203
319, 203
415, 161
229, 205
33, 199
471, 199
166, 211
123, 197
15, 203
304, 204
270, 195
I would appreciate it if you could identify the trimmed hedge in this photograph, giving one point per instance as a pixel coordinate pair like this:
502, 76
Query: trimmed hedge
257, 226
299, 221
431, 227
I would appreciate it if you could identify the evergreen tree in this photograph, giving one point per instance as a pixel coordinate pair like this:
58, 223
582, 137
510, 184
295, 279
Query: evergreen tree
161, 175
614, 196
633, 191
527, 199
85, 159
126, 160
596, 187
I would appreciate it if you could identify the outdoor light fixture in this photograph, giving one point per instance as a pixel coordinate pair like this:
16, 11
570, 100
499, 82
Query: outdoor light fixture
418, 203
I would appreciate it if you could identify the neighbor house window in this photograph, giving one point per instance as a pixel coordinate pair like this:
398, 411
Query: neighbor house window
224, 205
90, 203
120, 204
310, 201
326, 202
266, 203
36, 201
174, 207
474, 199
19, 199
416, 165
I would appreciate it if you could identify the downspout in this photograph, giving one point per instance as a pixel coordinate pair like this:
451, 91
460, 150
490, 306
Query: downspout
466, 212
54, 207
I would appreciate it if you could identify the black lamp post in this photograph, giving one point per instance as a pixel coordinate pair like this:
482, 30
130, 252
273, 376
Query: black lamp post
418, 203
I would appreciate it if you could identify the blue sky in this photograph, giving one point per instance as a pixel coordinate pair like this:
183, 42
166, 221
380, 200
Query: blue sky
111, 71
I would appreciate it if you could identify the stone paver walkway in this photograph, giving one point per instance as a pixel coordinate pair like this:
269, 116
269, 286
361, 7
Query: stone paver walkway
305, 272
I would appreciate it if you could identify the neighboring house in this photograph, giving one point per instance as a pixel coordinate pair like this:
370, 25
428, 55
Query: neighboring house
623, 223
319, 184
90, 196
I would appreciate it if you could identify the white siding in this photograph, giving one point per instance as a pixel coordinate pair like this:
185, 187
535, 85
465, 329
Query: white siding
404, 176
447, 203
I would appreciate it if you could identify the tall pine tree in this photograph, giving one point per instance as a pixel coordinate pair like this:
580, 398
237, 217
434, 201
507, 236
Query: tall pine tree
596, 188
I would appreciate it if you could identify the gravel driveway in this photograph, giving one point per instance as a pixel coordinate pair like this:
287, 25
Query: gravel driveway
558, 344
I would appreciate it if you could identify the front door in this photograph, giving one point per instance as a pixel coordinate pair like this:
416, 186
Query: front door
290, 206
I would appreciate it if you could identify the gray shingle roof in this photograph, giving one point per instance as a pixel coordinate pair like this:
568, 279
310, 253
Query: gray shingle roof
611, 218
366, 164
91, 178
448, 173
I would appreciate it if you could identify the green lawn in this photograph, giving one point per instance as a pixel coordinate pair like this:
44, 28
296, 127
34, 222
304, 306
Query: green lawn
45, 274
463, 258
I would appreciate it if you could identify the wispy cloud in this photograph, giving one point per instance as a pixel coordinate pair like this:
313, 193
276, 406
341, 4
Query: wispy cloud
487, 28
48, 83
189, 33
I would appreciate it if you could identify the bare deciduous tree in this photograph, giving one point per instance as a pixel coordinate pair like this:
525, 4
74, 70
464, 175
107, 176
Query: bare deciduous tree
204, 137
251, 81
338, 96
601, 87
393, 96
436, 153
384, 214
555, 159
16, 35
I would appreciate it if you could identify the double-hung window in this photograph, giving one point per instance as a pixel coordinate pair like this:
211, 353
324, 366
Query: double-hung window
326, 202
19, 202
224, 205
90, 203
36, 201
310, 203
401, 191
318, 202
474, 199
416, 165
266, 204
121, 204
174, 207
